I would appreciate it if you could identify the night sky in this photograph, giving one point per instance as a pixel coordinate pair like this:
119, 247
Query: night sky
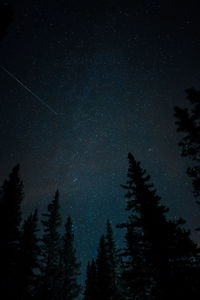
110, 74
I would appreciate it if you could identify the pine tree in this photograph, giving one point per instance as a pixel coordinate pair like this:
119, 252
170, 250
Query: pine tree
28, 257
146, 214
152, 261
87, 292
91, 291
113, 263
102, 270
106, 269
69, 266
11, 196
50, 250
188, 122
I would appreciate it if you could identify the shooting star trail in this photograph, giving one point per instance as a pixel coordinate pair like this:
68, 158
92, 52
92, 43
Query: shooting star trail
28, 90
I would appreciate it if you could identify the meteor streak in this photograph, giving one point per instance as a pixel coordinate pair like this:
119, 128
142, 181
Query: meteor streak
32, 93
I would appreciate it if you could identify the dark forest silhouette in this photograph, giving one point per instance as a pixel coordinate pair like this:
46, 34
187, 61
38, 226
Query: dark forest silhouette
188, 122
160, 261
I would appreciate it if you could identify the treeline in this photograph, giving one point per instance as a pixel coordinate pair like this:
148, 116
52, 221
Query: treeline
159, 260
33, 267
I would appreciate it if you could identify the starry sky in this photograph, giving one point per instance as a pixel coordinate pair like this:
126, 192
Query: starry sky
113, 72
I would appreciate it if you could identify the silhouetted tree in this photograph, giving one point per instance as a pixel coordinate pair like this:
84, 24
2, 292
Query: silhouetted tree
113, 263
69, 267
11, 196
102, 278
50, 250
157, 251
188, 122
28, 262
102, 270
91, 290
87, 292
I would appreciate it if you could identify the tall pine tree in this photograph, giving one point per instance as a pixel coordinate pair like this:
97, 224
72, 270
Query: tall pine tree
188, 122
28, 263
11, 196
50, 250
107, 268
151, 252
102, 270
113, 263
69, 267
91, 290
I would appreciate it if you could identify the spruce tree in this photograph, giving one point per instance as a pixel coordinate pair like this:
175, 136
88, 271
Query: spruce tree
102, 270
29, 253
151, 259
50, 250
11, 196
188, 122
91, 291
107, 268
69, 267
87, 292
113, 263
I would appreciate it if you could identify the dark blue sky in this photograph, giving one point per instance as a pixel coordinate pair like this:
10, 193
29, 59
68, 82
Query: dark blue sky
113, 74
